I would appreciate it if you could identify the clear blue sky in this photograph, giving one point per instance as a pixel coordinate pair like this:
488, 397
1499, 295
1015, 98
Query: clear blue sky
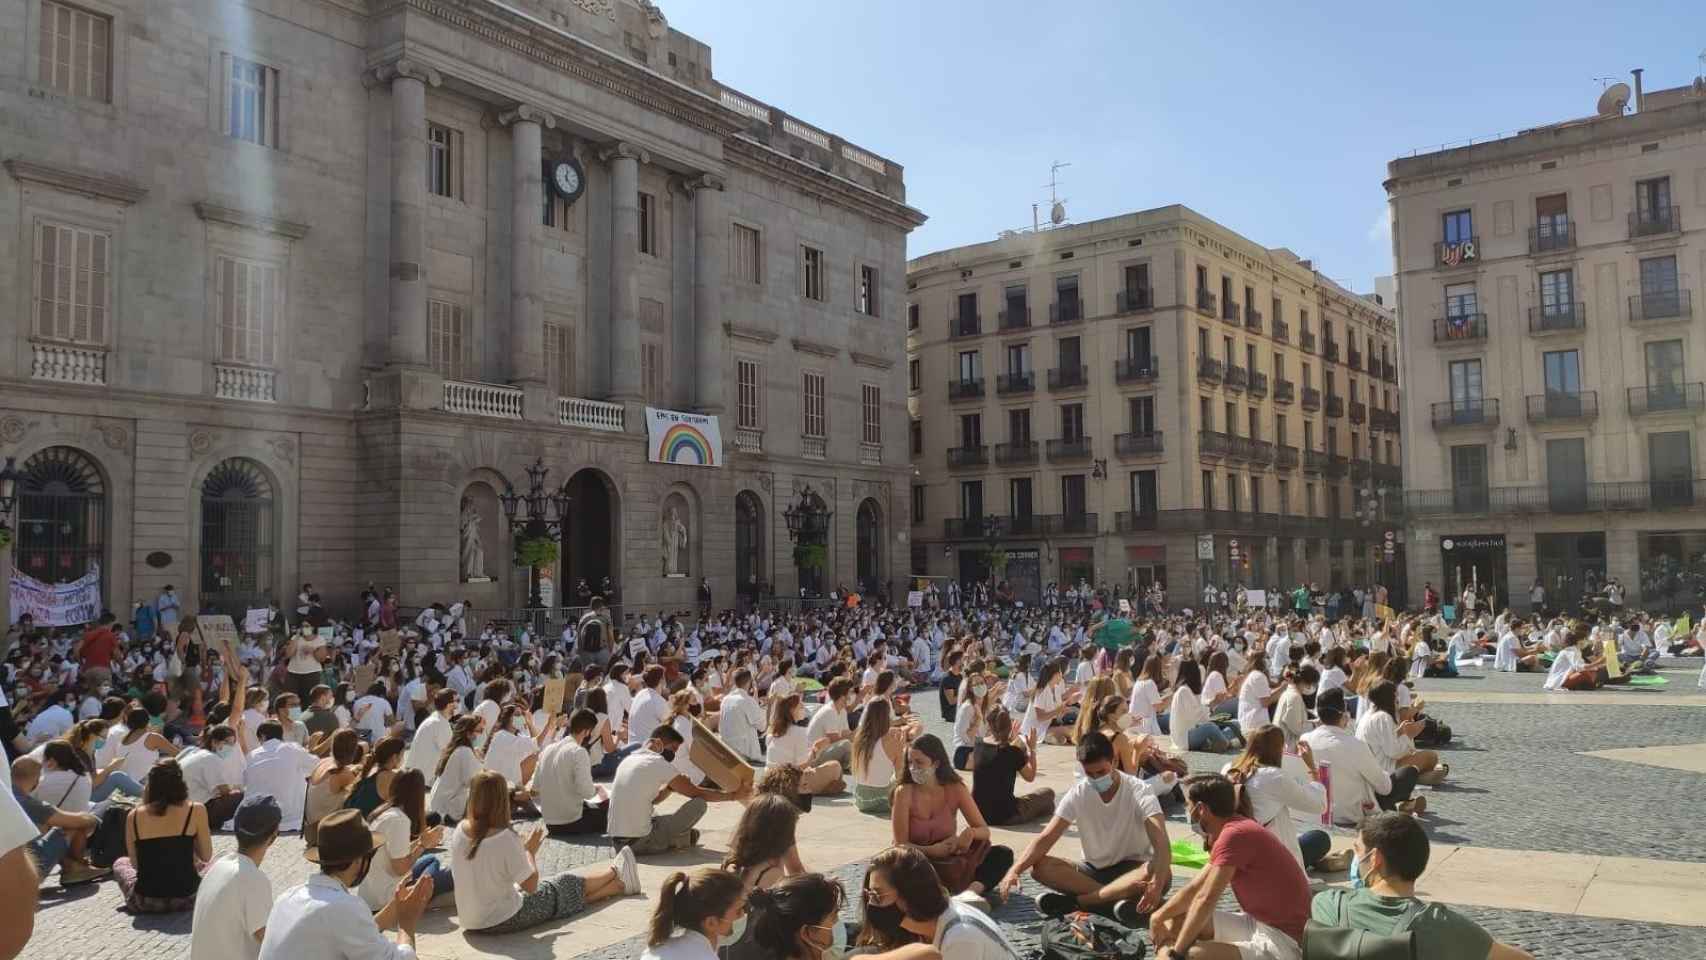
1275, 119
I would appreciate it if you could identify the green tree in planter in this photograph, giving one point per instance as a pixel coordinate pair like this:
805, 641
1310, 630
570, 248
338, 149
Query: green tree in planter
5, 537
810, 556
537, 552
996, 558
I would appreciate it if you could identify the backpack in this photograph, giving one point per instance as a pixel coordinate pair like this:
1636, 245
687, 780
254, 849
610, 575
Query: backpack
106, 844
1087, 936
1336, 942
591, 634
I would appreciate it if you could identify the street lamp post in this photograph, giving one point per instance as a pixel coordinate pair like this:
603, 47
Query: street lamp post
8, 499
546, 516
808, 522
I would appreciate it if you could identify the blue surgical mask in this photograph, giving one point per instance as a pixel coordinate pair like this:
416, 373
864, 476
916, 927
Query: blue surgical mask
296, 713
1357, 880
1102, 783
100, 743
226, 751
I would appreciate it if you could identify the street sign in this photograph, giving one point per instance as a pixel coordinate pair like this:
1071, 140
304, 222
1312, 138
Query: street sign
1205, 546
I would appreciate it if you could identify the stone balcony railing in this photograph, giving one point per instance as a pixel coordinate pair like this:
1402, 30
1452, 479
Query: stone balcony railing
748, 440
476, 399
590, 414
64, 363
254, 384
814, 448
871, 454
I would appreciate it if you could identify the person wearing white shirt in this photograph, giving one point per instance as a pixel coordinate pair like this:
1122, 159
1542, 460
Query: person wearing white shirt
1146, 698
63, 782
455, 769
645, 777
783, 685
213, 771
650, 705
373, 713
1291, 714
325, 920
617, 696
829, 722
513, 750
568, 799
279, 769
740, 718
412, 703
51, 723
701, 911
434, 733
790, 743
1360, 783
1255, 696
1279, 785
235, 896
1188, 721
1278, 653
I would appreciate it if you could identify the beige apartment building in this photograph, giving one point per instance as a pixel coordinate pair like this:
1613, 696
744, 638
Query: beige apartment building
1147, 398
1550, 286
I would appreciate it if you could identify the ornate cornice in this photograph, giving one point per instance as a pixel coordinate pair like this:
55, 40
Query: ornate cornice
73, 179
249, 220
527, 113
751, 155
749, 333
816, 349
402, 68
870, 360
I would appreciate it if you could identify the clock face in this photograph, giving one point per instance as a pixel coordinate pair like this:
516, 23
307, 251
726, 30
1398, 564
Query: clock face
566, 178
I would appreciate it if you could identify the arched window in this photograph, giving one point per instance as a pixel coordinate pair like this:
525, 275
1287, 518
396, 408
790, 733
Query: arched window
237, 561
749, 545
62, 507
869, 530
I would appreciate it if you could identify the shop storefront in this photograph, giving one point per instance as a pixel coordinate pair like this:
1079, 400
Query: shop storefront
1571, 566
1673, 570
1477, 559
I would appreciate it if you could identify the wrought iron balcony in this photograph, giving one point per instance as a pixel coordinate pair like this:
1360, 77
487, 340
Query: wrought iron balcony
1135, 521
1330, 350
1306, 341
1457, 253
1311, 399
1663, 306
1460, 328
1243, 448
1015, 318
1314, 461
1337, 466
1375, 367
1010, 453
1578, 497
1213, 445
1667, 398
1353, 358
1253, 319
1550, 236
1138, 444
1465, 413
1132, 300
965, 389
1388, 475
1210, 370
1236, 377
1390, 374
1261, 451
1282, 331
1654, 222
1207, 302
1066, 310
1258, 384
977, 456
1360, 471
1232, 313
1383, 421
1284, 391
1553, 405
1335, 405
1069, 450
1359, 412
972, 528
965, 325
1068, 378
1071, 524
1022, 382
1557, 318
1286, 457
1136, 369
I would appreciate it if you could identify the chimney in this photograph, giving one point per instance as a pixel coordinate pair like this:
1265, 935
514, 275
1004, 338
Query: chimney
1638, 98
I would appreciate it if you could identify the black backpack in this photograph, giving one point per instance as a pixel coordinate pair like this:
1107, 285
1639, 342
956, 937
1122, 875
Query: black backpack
591, 635
106, 844
1086, 936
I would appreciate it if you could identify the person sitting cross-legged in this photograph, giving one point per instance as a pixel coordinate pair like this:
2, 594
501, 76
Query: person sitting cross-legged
1125, 870
1270, 885
1391, 851
645, 777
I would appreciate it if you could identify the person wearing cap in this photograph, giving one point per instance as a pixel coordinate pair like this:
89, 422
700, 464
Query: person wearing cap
235, 897
325, 920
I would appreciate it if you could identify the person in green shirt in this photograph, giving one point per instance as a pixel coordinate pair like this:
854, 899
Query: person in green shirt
1300, 600
1389, 855
1113, 634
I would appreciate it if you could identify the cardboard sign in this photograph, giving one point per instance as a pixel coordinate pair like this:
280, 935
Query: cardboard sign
390, 643
725, 767
556, 694
1255, 598
915, 598
327, 633
220, 633
363, 677
255, 620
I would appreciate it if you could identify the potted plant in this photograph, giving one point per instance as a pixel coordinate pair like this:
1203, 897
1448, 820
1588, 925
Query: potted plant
536, 552
810, 556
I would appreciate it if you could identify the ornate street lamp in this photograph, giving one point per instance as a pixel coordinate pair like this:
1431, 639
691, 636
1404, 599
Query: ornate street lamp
546, 516
808, 525
8, 499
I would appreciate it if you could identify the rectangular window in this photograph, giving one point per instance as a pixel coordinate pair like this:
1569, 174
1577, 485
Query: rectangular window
1066, 297
970, 367
1552, 220
1072, 499
916, 431
1018, 298
1670, 468
1255, 421
1457, 227
1563, 370
1309, 499
1283, 502
971, 499
560, 358
1072, 421
1144, 492
1231, 419
917, 505
971, 430
1652, 200
1466, 385
1138, 347
1019, 427
76, 51
557, 212
1208, 489
1282, 435
1279, 365
1020, 500
1308, 435
746, 394
812, 391
1018, 358
748, 264
1567, 473
1071, 357
914, 375
1141, 415
1558, 295
1205, 412
912, 316
1469, 477
251, 102
1232, 492
811, 273
871, 403
1658, 277
450, 342
652, 374
648, 224
247, 295
867, 304
1664, 373
73, 296
444, 161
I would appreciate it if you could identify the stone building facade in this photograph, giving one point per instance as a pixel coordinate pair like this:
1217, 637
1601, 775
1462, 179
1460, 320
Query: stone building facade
294, 291
1148, 398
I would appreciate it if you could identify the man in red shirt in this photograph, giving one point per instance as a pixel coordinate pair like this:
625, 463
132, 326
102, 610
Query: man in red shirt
1270, 886
96, 651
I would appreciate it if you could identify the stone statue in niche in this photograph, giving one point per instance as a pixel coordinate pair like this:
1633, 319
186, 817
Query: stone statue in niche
473, 552
674, 543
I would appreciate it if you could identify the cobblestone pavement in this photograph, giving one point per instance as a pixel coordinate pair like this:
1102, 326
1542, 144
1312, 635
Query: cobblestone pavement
1519, 782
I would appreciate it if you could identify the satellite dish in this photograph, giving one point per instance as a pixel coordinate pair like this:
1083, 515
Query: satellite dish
1057, 213
1613, 100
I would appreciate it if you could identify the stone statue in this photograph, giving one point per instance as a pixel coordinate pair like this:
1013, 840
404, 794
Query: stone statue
473, 553
674, 541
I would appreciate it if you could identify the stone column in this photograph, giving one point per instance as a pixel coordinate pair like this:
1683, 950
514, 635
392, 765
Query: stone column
526, 327
624, 160
708, 279
407, 345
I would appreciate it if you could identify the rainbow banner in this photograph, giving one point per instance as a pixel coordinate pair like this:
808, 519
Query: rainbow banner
687, 439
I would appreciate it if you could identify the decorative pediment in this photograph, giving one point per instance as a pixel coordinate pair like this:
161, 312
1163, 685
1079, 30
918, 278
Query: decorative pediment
74, 179
249, 220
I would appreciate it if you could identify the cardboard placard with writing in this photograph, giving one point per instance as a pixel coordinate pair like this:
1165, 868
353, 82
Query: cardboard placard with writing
390, 643
220, 634
363, 677
725, 767
555, 693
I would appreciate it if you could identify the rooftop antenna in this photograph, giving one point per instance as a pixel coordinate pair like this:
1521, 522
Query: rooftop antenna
1057, 204
1604, 82
1613, 101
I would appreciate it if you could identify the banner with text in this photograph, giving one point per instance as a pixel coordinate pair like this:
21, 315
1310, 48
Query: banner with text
688, 439
57, 604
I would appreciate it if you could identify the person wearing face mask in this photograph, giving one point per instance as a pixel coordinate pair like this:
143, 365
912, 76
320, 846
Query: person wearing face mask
741, 717
650, 704
570, 801
789, 743
214, 771
928, 802
1390, 853
513, 750
694, 915
324, 918
645, 777
1125, 871
905, 902
796, 919
278, 768
430, 738
287, 712
829, 724
1270, 886
1291, 714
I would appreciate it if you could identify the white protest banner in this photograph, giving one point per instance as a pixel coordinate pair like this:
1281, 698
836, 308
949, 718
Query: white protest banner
915, 598
689, 439
255, 620
57, 604
220, 633
1255, 598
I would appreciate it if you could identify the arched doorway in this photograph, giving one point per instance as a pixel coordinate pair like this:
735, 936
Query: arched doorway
869, 537
237, 536
750, 577
62, 513
589, 536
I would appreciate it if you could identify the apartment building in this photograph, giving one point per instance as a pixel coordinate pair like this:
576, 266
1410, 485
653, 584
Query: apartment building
1147, 398
1548, 283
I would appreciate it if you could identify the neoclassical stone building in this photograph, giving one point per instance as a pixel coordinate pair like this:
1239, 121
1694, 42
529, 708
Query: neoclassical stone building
293, 291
